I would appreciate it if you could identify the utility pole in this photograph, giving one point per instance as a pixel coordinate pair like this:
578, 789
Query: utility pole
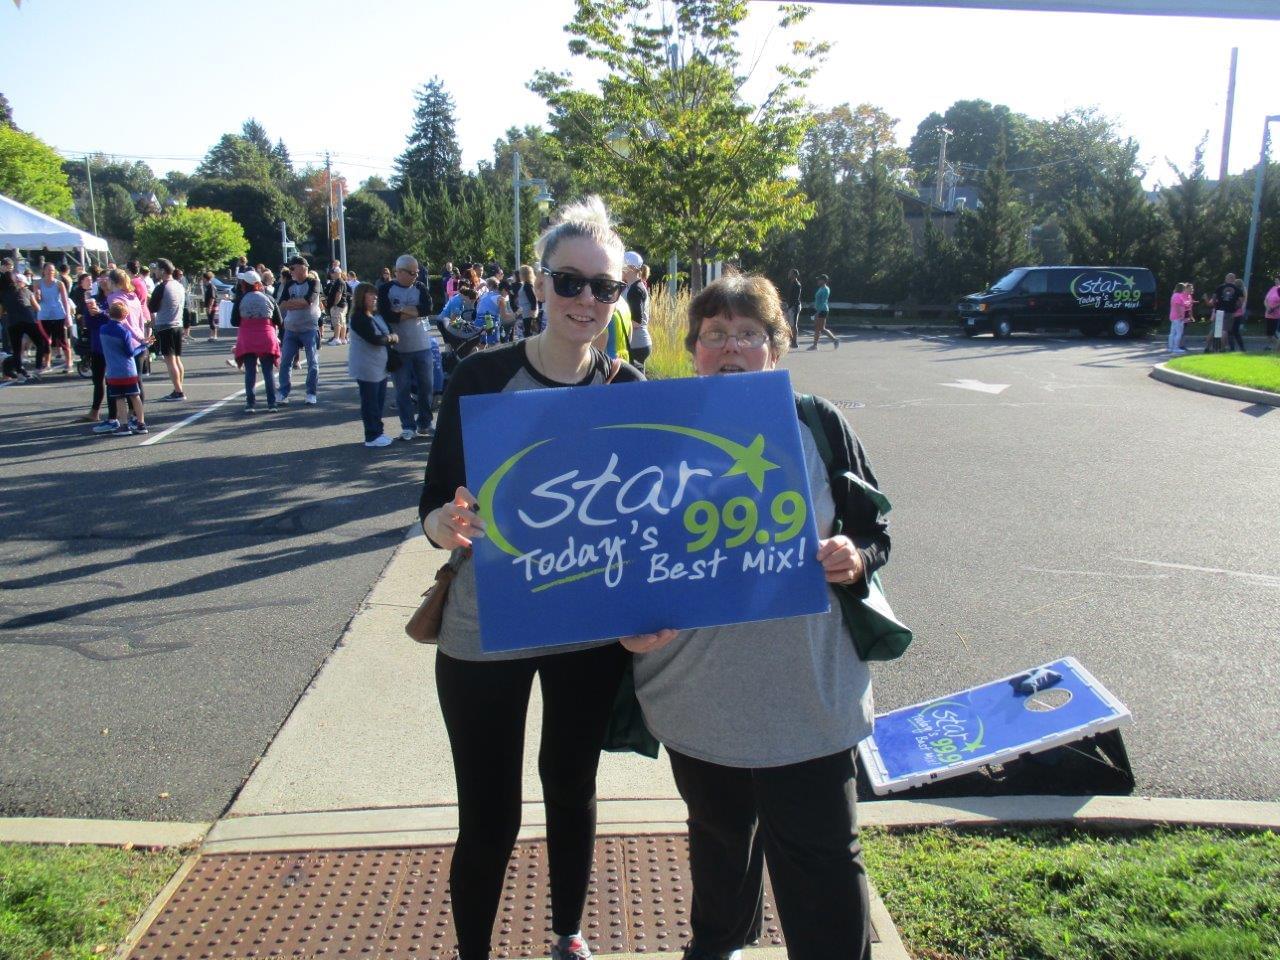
515, 206
1257, 201
342, 226
328, 205
1226, 127
93, 209
942, 164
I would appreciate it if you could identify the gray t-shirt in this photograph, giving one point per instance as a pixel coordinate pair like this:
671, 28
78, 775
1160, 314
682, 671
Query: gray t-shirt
414, 334
762, 694
169, 315
365, 360
305, 319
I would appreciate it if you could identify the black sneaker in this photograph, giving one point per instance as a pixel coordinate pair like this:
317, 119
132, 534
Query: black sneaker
694, 952
141, 428
175, 395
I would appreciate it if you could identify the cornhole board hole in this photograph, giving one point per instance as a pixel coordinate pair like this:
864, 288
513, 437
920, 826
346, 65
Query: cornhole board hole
986, 725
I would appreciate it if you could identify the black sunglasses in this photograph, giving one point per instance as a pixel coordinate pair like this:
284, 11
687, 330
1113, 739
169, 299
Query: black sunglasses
569, 285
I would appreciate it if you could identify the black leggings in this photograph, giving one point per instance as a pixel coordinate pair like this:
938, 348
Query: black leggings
98, 366
638, 356
484, 705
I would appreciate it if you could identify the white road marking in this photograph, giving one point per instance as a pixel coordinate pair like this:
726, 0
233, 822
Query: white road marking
1266, 578
978, 386
191, 419
1099, 573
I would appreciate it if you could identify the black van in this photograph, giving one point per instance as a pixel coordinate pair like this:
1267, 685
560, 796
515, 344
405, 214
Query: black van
1120, 301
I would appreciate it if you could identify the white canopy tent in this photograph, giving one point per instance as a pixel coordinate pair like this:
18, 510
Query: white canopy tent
22, 228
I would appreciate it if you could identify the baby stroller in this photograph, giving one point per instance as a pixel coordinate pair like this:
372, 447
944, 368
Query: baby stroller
462, 339
80, 345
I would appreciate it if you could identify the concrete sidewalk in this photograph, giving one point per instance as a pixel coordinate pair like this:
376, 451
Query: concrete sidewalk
368, 733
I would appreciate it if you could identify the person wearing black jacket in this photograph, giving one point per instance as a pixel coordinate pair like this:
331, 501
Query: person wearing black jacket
336, 296
369, 360
761, 720
792, 300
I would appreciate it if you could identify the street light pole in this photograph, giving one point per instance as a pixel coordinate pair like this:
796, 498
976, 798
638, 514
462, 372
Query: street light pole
342, 225
1257, 199
543, 199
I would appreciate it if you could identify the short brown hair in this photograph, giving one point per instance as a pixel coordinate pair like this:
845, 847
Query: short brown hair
743, 295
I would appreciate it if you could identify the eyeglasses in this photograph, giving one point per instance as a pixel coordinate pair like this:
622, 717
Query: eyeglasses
569, 285
716, 339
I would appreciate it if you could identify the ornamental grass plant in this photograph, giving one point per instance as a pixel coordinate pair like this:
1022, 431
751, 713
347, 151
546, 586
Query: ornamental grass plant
668, 321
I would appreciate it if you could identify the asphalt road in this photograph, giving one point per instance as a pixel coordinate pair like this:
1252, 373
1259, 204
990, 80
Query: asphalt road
1084, 510
180, 596
163, 607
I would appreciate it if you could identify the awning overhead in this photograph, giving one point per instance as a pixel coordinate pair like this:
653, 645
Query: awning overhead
27, 229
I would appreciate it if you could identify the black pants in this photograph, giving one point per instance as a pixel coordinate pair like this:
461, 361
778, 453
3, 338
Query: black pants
638, 356
1235, 337
98, 366
484, 706
25, 328
801, 819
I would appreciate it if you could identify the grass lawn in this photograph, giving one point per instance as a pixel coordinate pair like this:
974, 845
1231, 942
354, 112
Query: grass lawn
58, 903
1260, 371
1167, 894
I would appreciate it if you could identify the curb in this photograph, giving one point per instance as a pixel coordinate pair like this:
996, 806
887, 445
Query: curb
421, 826
1230, 391
104, 833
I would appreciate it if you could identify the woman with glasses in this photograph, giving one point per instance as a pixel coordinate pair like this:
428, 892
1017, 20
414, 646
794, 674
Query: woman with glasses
484, 696
760, 720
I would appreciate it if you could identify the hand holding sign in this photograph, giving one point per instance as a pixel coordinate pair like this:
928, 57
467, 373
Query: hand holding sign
840, 560
455, 524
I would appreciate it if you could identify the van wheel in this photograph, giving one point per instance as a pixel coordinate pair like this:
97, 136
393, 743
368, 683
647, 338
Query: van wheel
1002, 329
968, 332
1120, 327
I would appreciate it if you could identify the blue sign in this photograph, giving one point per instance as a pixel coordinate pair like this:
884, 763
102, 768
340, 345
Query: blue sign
987, 724
627, 508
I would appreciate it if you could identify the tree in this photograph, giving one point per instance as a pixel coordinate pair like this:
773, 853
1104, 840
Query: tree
258, 207
852, 136
194, 238
879, 241
236, 157
936, 276
432, 155
6, 112
31, 173
117, 213
369, 223
1193, 235
1117, 224
993, 238
1065, 157
703, 170
977, 129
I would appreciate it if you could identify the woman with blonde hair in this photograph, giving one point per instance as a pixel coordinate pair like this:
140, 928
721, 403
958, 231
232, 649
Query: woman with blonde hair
484, 696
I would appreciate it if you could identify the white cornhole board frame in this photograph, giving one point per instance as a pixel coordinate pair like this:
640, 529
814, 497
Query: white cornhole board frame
948, 736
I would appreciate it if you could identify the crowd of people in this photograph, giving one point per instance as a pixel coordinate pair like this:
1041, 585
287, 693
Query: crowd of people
1226, 313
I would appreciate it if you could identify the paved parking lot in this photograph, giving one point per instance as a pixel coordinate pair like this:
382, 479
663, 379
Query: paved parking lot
162, 607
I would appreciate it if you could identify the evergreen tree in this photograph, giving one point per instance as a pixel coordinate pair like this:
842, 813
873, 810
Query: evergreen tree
432, 155
6, 112
878, 237
1192, 233
993, 239
281, 153
935, 277
256, 134
1117, 224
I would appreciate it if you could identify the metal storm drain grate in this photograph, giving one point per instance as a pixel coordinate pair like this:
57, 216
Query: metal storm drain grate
395, 903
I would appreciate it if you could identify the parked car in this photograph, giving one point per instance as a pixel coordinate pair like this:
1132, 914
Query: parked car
1120, 301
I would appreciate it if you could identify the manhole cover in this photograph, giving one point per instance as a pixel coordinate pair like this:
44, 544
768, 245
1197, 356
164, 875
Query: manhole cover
849, 404
394, 903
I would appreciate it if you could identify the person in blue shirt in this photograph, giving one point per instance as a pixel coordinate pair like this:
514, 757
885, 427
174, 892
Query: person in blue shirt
821, 305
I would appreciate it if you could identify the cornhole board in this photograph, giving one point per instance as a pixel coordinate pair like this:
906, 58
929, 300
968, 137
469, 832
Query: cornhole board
987, 724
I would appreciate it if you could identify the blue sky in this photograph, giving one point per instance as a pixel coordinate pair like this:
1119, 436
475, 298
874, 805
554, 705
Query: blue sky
167, 79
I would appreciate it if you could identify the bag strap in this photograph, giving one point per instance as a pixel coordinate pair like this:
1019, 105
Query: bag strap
614, 366
809, 407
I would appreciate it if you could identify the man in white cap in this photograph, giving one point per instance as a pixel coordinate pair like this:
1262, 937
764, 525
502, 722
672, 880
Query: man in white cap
404, 302
637, 296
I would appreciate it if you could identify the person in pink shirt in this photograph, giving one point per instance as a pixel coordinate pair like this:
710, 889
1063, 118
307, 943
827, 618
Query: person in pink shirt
1179, 315
120, 289
1272, 316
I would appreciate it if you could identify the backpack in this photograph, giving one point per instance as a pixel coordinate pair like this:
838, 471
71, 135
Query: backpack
877, 632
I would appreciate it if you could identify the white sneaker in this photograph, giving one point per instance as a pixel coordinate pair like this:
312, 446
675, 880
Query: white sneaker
311, 399
382, 441
406, 434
